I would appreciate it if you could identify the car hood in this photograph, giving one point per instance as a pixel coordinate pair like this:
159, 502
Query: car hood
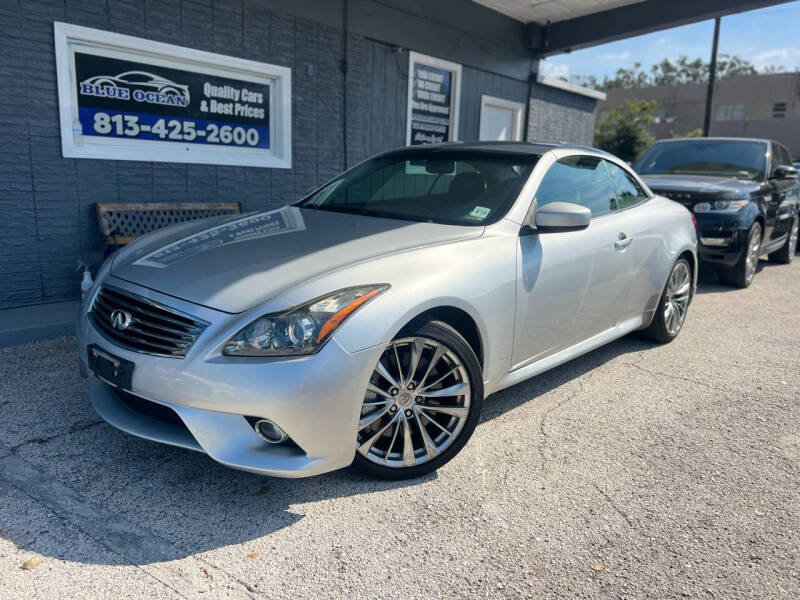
688, 190
702, 184
232, 264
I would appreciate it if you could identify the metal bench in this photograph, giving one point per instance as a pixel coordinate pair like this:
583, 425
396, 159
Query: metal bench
121, 223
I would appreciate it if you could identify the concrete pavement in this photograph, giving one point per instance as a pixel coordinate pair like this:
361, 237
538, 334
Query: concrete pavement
636, 471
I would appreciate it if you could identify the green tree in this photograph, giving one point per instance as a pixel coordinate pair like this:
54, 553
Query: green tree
623, 130
682, 71
728, 65
667, 72
693, 133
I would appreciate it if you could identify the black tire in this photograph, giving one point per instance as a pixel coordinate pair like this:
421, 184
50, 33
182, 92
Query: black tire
797, 248
737, 275
440, 333
658, 329
785, 254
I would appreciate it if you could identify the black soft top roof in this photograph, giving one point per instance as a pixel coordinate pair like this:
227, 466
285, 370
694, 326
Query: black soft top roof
532, 148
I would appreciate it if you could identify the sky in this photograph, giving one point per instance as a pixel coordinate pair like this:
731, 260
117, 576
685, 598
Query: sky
768, 36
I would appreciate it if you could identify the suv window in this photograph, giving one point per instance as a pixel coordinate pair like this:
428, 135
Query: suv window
581, 180
780, 156
629, 192
742, 159
786, 156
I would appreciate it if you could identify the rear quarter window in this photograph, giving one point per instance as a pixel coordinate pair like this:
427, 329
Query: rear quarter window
629, 192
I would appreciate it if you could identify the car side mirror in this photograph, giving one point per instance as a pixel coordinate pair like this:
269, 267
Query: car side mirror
561, 216
783, 172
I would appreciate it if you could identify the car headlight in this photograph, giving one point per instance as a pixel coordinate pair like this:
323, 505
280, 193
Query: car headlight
729, 206
303, 329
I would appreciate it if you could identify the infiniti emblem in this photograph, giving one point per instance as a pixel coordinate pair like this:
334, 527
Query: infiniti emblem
121, 319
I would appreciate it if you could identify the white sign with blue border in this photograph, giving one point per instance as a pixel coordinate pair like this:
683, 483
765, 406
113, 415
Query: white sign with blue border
129, 98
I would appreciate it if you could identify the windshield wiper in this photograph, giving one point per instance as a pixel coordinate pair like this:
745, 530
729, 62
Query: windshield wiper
383, 214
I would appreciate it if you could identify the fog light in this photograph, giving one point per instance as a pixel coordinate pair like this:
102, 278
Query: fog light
716, 241
269, 432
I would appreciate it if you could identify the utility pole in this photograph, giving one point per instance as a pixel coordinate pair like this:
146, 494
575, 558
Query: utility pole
712, 73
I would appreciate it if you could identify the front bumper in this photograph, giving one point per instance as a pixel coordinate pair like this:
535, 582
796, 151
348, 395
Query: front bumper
731, 229
315, 399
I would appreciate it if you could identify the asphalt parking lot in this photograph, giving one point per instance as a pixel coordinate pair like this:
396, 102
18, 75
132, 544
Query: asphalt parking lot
636, 471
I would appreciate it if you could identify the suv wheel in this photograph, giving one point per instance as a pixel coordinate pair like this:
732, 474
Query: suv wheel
674, 304
786, 253
742, 273
422, 403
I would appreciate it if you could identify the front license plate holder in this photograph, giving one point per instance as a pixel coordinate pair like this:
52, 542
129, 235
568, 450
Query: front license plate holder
111, 369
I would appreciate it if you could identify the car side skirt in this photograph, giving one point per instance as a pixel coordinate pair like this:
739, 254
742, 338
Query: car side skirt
526, 371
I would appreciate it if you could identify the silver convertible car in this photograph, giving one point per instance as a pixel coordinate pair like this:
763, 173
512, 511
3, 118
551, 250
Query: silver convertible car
366, 324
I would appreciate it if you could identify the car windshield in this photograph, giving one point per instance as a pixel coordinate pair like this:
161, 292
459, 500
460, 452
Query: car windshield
437, 186
743, 160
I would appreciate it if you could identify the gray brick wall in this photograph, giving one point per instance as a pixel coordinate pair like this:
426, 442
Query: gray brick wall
47, 202
559, 116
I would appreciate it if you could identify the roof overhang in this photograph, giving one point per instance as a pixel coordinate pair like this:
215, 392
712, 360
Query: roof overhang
568, 25
570, 87
551, 11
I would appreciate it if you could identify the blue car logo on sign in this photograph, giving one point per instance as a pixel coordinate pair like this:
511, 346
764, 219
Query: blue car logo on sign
139, 85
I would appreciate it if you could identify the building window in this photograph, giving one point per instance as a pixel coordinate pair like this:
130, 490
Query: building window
663, 115
729, 112
779, 110
501, 120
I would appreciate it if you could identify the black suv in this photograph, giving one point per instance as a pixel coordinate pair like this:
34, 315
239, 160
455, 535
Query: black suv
743, 192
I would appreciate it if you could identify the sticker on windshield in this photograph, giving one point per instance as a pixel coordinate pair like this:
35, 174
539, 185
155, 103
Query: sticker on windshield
479, 212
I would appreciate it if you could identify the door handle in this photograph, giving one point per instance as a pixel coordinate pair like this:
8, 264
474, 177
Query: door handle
623, 242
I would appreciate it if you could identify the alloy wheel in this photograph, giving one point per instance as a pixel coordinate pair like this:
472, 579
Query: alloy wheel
676, 301
753, 250
416, 404
793, 236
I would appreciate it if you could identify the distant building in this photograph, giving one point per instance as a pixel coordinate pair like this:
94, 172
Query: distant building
761, 106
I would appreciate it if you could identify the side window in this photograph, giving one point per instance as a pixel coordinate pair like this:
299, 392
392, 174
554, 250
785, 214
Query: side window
581, 180
787, 157
628, 191
777, 158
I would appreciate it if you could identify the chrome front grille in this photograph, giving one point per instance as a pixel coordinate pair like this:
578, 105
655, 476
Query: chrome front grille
685, 198
688, 199
143, 325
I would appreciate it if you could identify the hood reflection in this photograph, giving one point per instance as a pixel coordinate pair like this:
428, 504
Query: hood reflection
249, 227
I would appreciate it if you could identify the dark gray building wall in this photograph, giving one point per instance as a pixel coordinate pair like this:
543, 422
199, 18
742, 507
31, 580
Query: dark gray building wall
377, 97
555, 115
476, 83
47, 202
377, 88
